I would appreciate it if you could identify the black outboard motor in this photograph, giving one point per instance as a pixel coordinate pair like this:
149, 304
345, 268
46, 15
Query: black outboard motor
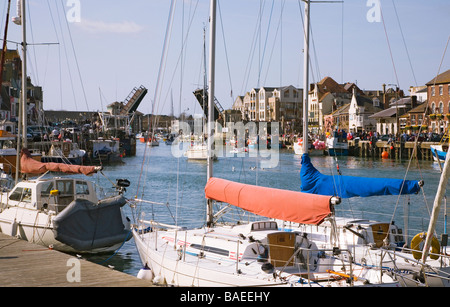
121, 185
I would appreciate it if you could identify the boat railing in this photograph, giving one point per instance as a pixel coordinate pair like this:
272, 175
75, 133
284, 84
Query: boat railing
159, 225
419, 268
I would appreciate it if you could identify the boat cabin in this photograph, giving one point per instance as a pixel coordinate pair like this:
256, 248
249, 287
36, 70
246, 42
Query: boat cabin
375, 233
51, 194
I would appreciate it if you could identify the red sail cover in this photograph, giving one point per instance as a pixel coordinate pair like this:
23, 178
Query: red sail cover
285, 205
30, 166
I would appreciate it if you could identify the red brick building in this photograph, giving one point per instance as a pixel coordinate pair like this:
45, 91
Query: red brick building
439, 102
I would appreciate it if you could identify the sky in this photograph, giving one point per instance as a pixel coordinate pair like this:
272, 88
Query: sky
88, 54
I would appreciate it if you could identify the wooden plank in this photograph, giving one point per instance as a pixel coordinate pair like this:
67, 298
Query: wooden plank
23, 264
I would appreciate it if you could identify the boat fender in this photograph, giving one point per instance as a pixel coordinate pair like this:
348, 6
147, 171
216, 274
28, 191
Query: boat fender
417, 250
145, 273
158, 280
14, 227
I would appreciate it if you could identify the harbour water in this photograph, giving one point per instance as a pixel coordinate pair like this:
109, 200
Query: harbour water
179, 184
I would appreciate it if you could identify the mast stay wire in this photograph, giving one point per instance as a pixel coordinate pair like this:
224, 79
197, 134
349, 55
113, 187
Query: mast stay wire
226, 53
75, 58
404, 42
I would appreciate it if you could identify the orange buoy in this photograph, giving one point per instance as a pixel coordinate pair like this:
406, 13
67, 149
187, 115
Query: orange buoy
385, 155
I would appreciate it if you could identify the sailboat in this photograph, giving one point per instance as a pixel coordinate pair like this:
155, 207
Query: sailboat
60, 213
198, 149
377, 243
250, 254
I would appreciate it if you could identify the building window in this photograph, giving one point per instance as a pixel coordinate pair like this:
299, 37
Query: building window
441, 108
433, 91
413, 119
441, 90
433, 108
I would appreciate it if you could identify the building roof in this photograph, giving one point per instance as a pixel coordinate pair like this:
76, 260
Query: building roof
385, 113
327, 84
441, 78
420, 108
341, 110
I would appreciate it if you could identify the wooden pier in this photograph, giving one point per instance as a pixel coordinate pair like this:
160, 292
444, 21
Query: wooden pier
23, 264
404, 150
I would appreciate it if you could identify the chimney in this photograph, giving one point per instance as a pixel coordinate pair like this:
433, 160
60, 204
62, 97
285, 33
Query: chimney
413, 101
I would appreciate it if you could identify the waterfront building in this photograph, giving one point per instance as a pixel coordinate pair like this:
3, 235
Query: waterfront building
438, 91
420, 92
325, 97
272, 104
396, 117
10, 92
360, 113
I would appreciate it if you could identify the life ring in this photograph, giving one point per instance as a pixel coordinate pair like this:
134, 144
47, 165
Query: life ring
300, 142
417, 251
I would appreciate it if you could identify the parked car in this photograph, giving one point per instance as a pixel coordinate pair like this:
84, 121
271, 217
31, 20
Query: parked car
38, 132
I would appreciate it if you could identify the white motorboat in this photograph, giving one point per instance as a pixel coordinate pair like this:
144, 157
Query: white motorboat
63, 213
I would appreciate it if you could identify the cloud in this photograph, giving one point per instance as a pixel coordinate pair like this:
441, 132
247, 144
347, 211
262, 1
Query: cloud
124, 27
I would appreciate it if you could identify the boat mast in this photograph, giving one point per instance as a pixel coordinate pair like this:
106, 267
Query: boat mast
436, 207
210, 119
306, 77
24, 77
22, 122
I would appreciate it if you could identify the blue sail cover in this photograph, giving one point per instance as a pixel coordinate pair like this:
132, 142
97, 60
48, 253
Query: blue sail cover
346, 186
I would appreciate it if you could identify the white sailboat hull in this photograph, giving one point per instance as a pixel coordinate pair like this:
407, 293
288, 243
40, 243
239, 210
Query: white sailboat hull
180, 265
298, 149
197, 152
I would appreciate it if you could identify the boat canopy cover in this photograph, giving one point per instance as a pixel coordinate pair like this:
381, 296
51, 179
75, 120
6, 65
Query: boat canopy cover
315, 182
285, 205
86, 226
30, 166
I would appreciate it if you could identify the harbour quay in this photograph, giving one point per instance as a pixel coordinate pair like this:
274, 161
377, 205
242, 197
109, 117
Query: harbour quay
395, 150
24, 264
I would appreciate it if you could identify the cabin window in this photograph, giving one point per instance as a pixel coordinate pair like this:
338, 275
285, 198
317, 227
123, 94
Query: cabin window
81, 188
264, 226
47, 187
65, 187
21, 194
